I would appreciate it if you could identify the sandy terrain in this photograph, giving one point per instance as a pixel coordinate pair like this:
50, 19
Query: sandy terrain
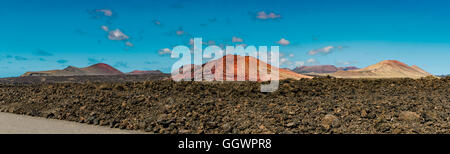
21, 124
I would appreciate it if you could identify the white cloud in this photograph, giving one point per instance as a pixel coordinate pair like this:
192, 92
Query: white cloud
180, 31
204, 42
106, 12
299, 63
243, 45
129, 44
345, 63
263, 15
157, 22
284, 61
291, 55
324, 50
291, 64
237, 39
165, 51
283, 41
117, 35
312, 61
105, 28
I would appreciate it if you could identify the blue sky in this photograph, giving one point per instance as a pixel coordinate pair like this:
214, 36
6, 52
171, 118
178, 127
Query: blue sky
53, 34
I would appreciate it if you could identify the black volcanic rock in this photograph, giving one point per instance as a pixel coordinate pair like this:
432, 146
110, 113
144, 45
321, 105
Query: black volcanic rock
307, 106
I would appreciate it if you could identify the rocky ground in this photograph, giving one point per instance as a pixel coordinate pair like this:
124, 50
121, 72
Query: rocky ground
83, 79
307, 106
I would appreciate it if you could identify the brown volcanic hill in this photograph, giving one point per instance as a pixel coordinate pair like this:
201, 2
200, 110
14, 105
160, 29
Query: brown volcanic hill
384, 69
138, 72
97, 69
101, 69
228, 72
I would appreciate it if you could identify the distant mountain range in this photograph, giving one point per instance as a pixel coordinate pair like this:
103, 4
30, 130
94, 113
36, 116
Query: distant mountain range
136, 72
322, 69
96, 69
384, 69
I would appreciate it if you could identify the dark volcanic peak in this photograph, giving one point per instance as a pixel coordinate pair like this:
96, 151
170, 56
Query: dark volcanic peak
97, 69
102, 69
71, 68
102, 66
74, 70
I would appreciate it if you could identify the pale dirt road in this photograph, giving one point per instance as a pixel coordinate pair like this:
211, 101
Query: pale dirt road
21, 124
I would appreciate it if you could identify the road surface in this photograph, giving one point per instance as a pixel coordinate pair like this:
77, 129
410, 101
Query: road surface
21, 124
